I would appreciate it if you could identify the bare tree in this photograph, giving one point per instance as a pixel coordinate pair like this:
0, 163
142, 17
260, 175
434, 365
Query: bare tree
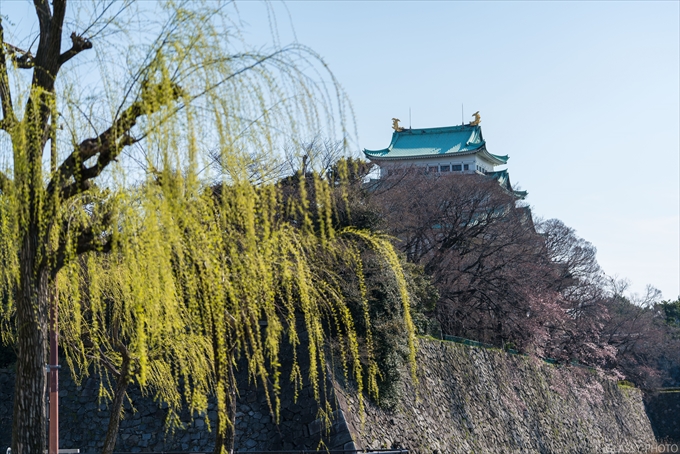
647, 347
481, 250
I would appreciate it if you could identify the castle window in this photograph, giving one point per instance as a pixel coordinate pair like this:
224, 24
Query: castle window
444, 168
466, 167
457, 168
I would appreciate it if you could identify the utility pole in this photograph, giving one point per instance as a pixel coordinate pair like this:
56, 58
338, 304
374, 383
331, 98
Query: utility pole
54, 370
53, 367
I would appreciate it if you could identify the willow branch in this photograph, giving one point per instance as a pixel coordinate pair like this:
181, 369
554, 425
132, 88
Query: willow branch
87, 242
79, 44
40, 78
49, 59
94, 238
107, 363
8, 117
56, 24
108, 145
5, 183
49, 46
42, 10
24, 60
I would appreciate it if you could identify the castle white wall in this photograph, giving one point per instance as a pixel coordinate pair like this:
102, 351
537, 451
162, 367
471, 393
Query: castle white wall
468, 164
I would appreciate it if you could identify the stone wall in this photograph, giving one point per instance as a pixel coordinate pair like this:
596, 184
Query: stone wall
467, 400
83, 422
83, 418
663, 410
482, 400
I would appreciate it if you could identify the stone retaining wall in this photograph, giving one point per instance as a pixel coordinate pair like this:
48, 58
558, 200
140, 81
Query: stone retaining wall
83, 419
663, 410
482, 400
467, 400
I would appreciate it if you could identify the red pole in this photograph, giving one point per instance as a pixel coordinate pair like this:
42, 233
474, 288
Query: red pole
54, 371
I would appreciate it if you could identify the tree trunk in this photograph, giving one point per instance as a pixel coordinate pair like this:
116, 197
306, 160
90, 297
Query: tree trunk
117, 406
225, 438
29, 417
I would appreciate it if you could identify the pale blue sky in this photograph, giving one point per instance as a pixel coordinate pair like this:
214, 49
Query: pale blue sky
583, 96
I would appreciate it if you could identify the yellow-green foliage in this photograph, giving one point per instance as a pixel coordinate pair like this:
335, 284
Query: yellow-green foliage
625, 384
383, 246
193, 276
9, 268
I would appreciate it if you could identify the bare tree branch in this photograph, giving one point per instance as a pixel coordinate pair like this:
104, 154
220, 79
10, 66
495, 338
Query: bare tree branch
110, 20
107, 364
42, 9
87, 240
24, 60
108, 145
49, 47
56, 24
79, 44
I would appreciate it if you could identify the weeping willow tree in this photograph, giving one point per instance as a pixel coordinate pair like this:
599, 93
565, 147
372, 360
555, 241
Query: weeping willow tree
103, 196
233, 273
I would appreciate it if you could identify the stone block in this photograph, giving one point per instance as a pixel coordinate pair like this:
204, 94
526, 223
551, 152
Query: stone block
339, 440
315, 427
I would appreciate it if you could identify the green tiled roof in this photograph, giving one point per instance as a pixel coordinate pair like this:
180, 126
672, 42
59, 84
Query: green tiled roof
503, 178
433, 142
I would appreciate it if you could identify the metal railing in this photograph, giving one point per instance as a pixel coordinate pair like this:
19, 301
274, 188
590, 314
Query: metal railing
472, 343
512, 351
296, 451
61, 451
